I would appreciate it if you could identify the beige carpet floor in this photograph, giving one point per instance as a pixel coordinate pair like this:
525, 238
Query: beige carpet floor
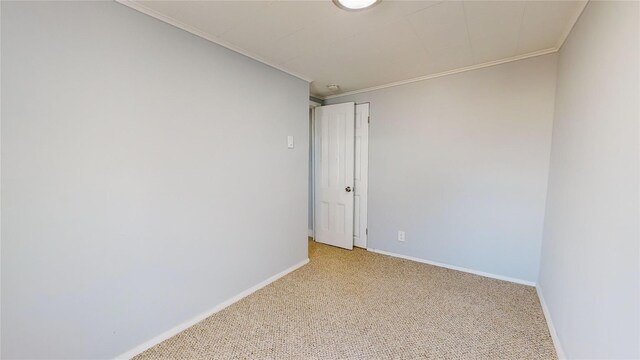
361, 305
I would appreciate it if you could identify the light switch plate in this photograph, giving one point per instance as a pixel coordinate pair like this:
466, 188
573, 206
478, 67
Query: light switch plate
290, 142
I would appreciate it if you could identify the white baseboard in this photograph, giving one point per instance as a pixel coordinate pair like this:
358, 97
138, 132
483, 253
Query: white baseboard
552, 329
311, 233
453, 267
187, 324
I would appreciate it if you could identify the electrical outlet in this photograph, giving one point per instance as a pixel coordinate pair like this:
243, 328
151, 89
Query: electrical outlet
400, 235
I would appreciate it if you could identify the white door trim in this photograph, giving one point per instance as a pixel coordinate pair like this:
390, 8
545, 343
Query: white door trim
312, 166
361, 175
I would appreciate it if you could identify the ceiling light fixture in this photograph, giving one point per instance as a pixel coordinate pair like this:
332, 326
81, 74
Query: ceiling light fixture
353, 5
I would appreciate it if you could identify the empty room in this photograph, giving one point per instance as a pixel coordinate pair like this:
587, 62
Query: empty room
320, 179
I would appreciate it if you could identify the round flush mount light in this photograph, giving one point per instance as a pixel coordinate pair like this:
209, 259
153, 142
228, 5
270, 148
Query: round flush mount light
354, 5
333, 87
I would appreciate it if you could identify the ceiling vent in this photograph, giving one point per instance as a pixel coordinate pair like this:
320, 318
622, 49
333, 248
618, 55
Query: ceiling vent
333, 87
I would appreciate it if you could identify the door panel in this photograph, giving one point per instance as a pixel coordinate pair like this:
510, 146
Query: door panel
361, 172
334, 161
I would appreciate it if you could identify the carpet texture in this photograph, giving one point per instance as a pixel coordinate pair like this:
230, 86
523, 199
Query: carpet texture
361, 305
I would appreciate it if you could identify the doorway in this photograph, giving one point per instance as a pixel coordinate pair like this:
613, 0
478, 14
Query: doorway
339, 162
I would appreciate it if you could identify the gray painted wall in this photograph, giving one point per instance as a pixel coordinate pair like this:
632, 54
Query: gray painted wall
590, 271
460, 164
145, 177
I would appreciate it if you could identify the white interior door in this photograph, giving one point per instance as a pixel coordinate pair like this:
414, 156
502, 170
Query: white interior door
334, 162
361, 179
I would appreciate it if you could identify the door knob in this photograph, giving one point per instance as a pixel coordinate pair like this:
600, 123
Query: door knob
348, 189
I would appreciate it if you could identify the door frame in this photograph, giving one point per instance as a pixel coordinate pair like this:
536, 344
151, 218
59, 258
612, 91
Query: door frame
312, 142
363, 234
312, 168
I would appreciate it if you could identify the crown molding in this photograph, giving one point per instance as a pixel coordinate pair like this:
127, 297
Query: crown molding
169, 20
445, 73
572, 23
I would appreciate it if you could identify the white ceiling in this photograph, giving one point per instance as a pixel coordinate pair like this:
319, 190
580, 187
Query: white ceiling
391, 42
